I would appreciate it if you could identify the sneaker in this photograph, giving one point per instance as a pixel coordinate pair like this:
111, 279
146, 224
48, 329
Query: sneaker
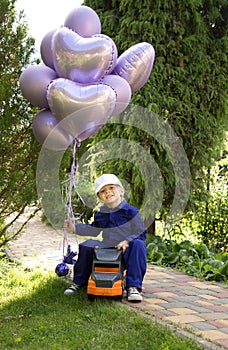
133, 294
74, 289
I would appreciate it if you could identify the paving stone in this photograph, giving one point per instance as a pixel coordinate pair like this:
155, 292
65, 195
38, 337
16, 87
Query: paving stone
188, 298
219, 323
207, 296
149, 281
165, 312
153, 290
180, 283
202, 325
161, 275
154, 306
181, 279
213, 334
224, 330
214, 316
165, 294
184, 319
221, 295
152, 284
196, 308
204, 303
206, 285
155, 300
182, 311
177, 304
218, 308
194, 291
222, 342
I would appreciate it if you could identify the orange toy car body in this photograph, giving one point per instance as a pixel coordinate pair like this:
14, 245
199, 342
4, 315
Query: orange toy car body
107, 277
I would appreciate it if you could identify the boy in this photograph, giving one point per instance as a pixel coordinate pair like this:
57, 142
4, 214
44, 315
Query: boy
121, 227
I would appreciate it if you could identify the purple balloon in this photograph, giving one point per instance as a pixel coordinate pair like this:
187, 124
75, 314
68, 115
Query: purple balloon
34, 81
89, 132
135, 65
84, 21
122, 90
49, 132
45, 49
82, 109
83, 60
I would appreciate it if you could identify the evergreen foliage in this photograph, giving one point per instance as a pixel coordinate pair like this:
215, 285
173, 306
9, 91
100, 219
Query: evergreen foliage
187, 87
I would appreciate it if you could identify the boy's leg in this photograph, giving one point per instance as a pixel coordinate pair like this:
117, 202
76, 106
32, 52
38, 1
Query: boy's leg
83, 266
82, 269
135, 263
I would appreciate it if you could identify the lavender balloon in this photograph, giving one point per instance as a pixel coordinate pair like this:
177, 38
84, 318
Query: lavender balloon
45, 49
34, 81
85, 132
122, 90
135, 65
49, 132
83, 60
82, 109
84, 21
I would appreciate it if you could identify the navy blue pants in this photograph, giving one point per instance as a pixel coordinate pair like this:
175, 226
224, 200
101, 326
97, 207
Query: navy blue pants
134, 261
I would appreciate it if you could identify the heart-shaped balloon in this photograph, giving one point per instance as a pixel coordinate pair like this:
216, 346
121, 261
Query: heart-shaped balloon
135, 65
49, 132
83, 60
122, 90
82, 109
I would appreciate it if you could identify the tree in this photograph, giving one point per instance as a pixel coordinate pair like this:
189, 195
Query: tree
212, 219
187, 87
17, 147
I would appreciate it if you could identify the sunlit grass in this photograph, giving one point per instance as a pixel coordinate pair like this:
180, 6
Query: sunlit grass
36, 315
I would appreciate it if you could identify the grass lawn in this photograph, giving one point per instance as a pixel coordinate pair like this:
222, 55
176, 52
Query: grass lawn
34, 314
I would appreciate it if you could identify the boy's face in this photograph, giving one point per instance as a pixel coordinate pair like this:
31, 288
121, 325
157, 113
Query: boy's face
111, 195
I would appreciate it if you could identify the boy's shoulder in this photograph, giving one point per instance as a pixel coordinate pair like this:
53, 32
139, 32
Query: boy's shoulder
127, 206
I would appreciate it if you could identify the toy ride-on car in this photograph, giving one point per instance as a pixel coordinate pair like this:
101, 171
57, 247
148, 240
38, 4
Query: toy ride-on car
107, 277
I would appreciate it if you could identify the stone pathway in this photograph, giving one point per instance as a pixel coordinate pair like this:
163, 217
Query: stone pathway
191, 307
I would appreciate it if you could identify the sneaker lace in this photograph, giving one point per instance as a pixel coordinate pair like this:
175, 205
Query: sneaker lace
133, 290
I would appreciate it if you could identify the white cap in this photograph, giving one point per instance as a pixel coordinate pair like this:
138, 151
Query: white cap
106, 179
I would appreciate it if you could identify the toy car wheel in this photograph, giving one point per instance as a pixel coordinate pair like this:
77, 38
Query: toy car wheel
91, 297
119, 297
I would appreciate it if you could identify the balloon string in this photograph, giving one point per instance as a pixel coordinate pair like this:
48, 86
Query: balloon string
72, 173
70, 212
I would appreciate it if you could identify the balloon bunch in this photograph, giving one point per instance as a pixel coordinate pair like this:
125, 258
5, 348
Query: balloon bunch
82, 82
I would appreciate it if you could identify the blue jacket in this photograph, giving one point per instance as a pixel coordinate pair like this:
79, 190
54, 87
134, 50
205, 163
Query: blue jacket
115, 224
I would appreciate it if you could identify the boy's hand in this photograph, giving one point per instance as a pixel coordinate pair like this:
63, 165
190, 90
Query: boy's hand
69, 226
123, 245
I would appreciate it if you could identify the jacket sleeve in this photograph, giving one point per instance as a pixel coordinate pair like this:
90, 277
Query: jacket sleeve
88, 229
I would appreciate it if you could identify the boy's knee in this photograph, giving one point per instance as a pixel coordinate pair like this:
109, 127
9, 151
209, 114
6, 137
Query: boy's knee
138, 244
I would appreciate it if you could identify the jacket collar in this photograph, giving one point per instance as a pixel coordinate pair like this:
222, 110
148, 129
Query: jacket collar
122, 205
